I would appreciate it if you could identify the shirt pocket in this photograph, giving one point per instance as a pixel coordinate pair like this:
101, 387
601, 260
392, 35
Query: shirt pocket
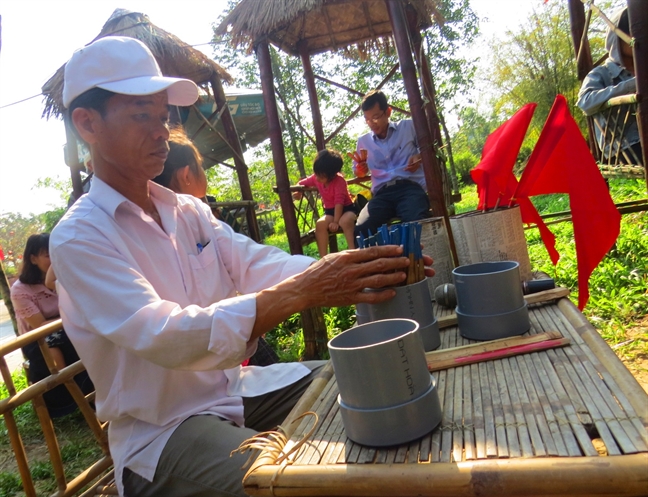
208, 281
205, 258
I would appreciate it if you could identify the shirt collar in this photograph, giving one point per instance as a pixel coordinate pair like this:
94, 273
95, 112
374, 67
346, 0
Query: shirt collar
108, 199
390, 126
613, 68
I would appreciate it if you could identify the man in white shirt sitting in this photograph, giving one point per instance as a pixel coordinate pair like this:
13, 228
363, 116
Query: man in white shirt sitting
163, 302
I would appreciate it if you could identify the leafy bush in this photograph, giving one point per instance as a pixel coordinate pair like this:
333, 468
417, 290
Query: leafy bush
464, 162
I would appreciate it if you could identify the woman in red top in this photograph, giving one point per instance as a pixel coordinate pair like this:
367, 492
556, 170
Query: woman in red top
339, 211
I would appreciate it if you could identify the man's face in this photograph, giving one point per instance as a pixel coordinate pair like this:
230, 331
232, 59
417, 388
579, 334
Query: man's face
130, 142
378, 120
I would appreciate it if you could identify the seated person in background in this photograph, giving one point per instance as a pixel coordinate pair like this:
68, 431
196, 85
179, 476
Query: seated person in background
613, 78
393, 159
36, 305
183, 173
339, 211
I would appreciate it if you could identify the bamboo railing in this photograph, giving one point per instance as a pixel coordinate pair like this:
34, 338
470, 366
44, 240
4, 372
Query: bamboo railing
34, 394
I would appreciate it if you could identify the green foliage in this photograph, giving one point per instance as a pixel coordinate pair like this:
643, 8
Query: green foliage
619, 285
535, 63
10, 484
465, 160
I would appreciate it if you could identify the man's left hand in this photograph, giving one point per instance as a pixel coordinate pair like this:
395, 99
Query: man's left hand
413, 163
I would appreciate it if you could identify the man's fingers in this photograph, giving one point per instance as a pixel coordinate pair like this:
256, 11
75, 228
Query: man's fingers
371, 253
429, 272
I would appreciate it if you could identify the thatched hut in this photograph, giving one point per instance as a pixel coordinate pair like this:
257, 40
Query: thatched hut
320, 24
307, 27
176, 58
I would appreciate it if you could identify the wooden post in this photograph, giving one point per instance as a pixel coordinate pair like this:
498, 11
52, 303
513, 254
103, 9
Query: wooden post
313, 323
312, 95
433, 120
235, 142
584, 62
584, 54
430, 162
278, 151
638, 17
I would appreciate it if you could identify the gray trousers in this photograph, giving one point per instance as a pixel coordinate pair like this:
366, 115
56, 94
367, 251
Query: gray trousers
196, 460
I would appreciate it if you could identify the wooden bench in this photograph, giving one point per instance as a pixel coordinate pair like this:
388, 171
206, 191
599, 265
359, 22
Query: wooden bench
98, 475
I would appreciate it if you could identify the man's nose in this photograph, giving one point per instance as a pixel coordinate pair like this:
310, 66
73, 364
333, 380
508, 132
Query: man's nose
161, 130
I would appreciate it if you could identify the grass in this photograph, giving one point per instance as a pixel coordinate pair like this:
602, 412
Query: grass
76, 441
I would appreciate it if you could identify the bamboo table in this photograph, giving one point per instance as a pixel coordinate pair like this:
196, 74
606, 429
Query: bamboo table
561, 422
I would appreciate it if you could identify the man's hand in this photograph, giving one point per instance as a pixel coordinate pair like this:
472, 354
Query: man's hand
413, 163
335, 280
360, 169
339, 279
333, 227
427, 260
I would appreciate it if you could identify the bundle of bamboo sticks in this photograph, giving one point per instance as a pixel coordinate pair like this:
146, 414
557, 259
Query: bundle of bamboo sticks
408, 235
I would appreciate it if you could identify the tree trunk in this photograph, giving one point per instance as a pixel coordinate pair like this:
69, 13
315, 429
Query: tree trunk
453, 169
6, 296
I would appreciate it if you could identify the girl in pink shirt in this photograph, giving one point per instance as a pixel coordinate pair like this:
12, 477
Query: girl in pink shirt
339, 211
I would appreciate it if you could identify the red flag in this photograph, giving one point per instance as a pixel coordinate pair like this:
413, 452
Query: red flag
494, 174
1, 254
561, 162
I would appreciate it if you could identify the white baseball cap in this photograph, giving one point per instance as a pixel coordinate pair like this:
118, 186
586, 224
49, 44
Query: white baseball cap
122, 65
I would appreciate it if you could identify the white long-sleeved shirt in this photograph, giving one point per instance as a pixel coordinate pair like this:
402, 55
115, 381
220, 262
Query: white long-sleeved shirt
158, 319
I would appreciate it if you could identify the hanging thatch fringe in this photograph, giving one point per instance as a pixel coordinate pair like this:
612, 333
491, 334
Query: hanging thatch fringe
325, 25
175, 57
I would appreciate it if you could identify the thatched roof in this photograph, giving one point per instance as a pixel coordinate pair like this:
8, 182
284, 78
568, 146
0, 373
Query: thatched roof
175, 57
323, 25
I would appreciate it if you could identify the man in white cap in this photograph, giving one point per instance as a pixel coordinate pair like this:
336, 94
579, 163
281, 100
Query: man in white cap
163, 302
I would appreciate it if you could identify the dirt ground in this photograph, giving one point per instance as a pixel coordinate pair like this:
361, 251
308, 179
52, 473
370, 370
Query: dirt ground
637, 363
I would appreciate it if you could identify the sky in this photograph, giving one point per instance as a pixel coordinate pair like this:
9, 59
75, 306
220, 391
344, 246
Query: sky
39, 36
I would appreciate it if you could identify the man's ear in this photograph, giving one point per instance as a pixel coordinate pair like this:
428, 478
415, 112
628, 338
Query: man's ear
388, 112
85, 122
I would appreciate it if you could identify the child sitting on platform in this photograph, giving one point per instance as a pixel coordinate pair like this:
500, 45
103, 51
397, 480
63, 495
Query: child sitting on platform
339, 211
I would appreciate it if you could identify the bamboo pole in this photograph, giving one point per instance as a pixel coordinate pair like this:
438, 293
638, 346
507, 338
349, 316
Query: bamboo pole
624, 378
278, 150
467, 350
235, 143
51, 441
621, 476
408, 69
15, 438
83, 479
29, 393
312, 94
30, 336
638, 17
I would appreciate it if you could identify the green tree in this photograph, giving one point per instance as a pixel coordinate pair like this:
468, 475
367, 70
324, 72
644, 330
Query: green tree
535, 63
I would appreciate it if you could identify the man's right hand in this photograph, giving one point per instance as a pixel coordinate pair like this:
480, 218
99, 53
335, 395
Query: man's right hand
335, 280
361, 170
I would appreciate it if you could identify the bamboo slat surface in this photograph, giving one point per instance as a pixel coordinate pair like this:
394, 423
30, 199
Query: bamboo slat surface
524, 413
